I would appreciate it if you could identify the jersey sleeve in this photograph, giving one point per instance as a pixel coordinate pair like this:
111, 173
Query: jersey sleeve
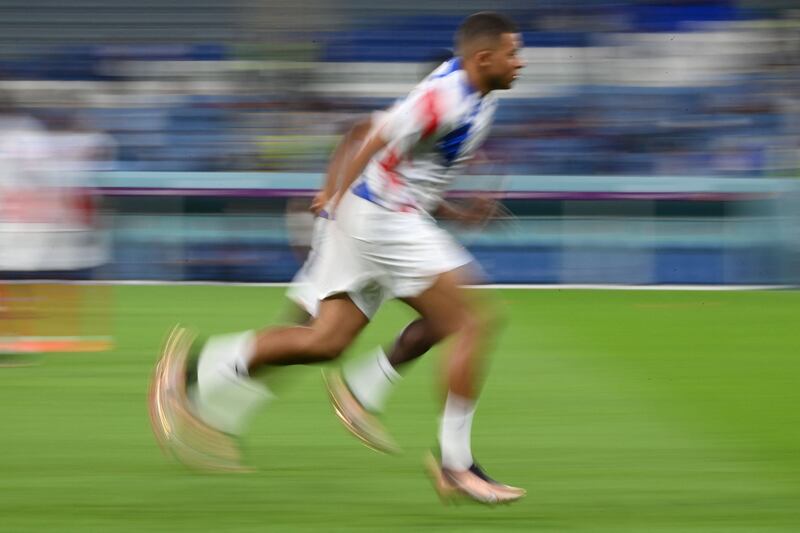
422, 115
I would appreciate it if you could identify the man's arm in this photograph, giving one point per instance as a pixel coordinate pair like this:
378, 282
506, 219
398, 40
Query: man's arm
347, 145
355, 166
423, 114
417, 117
449, 210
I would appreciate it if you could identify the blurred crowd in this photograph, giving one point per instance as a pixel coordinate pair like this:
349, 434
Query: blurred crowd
635, 87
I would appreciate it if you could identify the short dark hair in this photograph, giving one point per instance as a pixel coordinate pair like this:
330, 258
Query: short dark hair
485, 24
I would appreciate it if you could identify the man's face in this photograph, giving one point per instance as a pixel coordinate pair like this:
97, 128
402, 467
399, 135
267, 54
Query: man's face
502, 63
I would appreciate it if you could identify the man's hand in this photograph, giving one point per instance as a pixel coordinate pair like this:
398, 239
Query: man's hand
333, 205
475, 212
319, 202
479, 210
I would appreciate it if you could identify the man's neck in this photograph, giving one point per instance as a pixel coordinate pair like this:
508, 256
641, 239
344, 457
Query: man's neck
474, 79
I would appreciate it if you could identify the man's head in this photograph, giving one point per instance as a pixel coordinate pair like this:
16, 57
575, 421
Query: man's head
489, 43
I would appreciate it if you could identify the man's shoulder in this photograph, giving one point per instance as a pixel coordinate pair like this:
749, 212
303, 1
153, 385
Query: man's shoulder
447, 92
447, 85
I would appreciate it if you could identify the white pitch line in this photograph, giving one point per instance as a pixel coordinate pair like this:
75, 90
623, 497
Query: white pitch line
603, 287
511, 286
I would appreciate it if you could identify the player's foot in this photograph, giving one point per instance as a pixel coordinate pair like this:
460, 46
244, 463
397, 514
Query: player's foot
361, 423
176, 426
473, 483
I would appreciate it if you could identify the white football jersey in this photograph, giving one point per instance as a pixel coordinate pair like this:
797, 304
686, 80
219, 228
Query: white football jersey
430, 135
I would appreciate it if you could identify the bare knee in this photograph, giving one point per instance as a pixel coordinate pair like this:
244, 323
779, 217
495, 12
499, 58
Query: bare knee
462, 322
490, 320
471, 325
480, 325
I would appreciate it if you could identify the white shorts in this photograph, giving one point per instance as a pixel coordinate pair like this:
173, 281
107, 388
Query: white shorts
305, 291
369, 249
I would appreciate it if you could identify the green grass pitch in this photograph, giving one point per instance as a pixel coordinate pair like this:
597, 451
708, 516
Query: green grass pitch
617, 410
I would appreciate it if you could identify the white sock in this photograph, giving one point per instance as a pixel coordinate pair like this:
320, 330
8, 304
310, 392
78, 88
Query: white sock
225, 396
243, 347
455, 431
371, 380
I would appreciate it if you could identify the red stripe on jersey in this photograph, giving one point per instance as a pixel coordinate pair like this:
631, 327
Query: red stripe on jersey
388, 165
429, 113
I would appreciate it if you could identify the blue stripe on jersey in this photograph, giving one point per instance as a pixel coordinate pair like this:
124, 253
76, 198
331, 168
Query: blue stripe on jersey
450, 145
452, 66
361, 190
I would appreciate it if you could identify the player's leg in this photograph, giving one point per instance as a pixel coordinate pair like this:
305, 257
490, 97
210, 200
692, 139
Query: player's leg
225, 394
371, 379
196, 419
360, 389
453, 314
410, 252
414, 341
335, 327
333, 272
358, 392
227, 361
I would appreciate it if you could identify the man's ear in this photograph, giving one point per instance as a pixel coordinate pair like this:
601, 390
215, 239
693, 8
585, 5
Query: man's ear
484, 58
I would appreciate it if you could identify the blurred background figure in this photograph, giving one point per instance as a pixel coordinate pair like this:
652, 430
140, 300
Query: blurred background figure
648, 142
49, 233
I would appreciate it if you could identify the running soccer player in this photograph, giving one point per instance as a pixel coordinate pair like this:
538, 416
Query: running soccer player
360, 390
368, 395
382, 241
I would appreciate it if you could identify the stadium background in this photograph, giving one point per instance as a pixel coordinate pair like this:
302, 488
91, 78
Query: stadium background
647, 143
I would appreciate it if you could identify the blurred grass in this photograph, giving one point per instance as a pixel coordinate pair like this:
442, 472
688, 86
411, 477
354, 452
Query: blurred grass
618, 411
